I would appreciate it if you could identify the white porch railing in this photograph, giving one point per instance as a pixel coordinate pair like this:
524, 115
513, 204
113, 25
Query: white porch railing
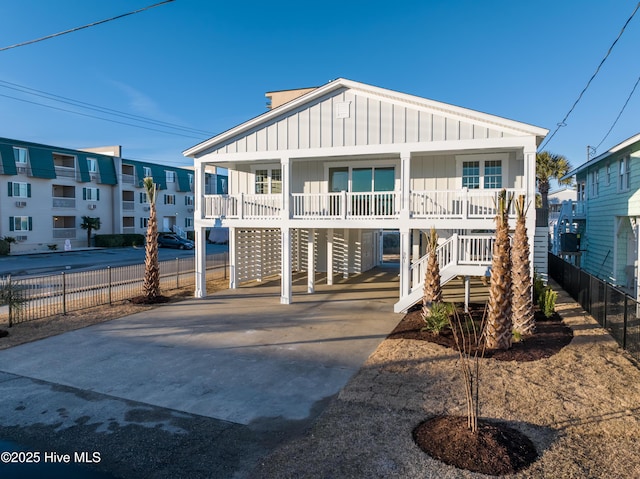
461, 204
457, 250
445, 204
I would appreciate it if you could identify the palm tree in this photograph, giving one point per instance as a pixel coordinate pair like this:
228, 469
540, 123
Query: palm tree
498, 328
523, 319
550, 166
90, 224
151, 266
432, 287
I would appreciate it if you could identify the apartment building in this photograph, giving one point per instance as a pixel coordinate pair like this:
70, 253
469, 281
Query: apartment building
46, 190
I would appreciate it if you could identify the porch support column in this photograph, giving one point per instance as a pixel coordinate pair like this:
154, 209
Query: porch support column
330, 256
200, 232
285, 267
285, 165
467, 293
530, 192
405, 182
311, 264
233, 259
345, 271
405, 262
201, 262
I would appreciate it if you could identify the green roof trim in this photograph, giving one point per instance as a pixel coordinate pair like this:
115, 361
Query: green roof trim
107, 170
41, 162
8, 160
83, 167
183, 179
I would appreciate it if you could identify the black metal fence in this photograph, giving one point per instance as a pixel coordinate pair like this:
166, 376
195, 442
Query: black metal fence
616, 311
50, 295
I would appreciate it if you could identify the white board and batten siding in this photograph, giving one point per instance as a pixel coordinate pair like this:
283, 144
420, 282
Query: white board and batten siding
351, 118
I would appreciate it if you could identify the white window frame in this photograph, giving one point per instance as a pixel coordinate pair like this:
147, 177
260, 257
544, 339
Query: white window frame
608, 173
373, 164
19, 221
18, 157
482, 159
170, 176
270, 183
188, 200
169, 199
22, 190
91, 193
594, 185
624, 172
92, 165
146, 172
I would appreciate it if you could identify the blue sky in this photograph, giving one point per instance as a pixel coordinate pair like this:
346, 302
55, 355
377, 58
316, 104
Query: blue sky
207, 64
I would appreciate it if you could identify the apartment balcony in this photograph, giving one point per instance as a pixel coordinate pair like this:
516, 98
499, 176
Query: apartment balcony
128, 205
128, 179
64, 233
441, 204
65, 172
59, 202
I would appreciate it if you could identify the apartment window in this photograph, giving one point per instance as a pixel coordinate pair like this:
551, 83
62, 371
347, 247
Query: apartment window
169, 199
268, 181
190, 176
623, 176
20, 223
608, 173
92, 165
91, 194
146, 171
188, 200
493, 174
19, 190
471, 174
143, 197
144, 222
595, 180
20, 155
188, 222
171, 176
128, 222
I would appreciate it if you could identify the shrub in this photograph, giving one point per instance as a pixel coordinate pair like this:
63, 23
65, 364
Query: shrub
538, 287
4, 248
118, 240
438, 318
547, 302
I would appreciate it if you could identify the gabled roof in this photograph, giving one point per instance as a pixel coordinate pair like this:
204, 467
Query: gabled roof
619, 147
516, 128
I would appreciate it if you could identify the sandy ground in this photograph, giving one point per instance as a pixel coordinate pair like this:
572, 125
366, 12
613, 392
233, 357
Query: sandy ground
581, 407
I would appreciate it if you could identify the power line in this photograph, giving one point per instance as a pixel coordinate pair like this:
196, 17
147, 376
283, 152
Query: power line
100, 109
564, 120
100, 118
29, 42
619, 114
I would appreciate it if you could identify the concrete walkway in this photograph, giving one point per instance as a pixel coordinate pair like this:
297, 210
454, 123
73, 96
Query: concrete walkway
239, 355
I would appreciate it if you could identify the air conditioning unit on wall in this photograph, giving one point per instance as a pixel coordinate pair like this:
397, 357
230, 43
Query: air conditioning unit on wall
21, 204
146, 208
92, 206
21, 238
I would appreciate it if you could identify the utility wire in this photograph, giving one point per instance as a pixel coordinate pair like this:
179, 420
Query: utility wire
100, 109
619, 115
100, 118
84, 26
564, 120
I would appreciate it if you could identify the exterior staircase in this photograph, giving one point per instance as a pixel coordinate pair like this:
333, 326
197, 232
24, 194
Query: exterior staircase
460, 255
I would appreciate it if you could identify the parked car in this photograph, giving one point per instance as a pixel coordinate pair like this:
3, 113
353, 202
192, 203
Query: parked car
170, 240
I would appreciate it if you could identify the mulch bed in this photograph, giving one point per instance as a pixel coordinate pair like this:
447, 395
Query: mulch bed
496, 448
551, 336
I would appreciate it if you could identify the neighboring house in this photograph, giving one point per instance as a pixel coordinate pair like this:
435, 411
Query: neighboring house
314, 181
606, 215
47, 189
556, 198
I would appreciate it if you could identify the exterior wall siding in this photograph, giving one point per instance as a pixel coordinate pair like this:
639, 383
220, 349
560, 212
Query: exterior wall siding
369, 122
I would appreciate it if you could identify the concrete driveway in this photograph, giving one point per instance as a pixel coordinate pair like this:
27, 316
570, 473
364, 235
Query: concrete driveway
238, 355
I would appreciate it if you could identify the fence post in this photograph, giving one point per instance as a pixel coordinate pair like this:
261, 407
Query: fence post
604, 316
109, 282
10, 308
624, 325
64, 294
226, 257
177, 273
